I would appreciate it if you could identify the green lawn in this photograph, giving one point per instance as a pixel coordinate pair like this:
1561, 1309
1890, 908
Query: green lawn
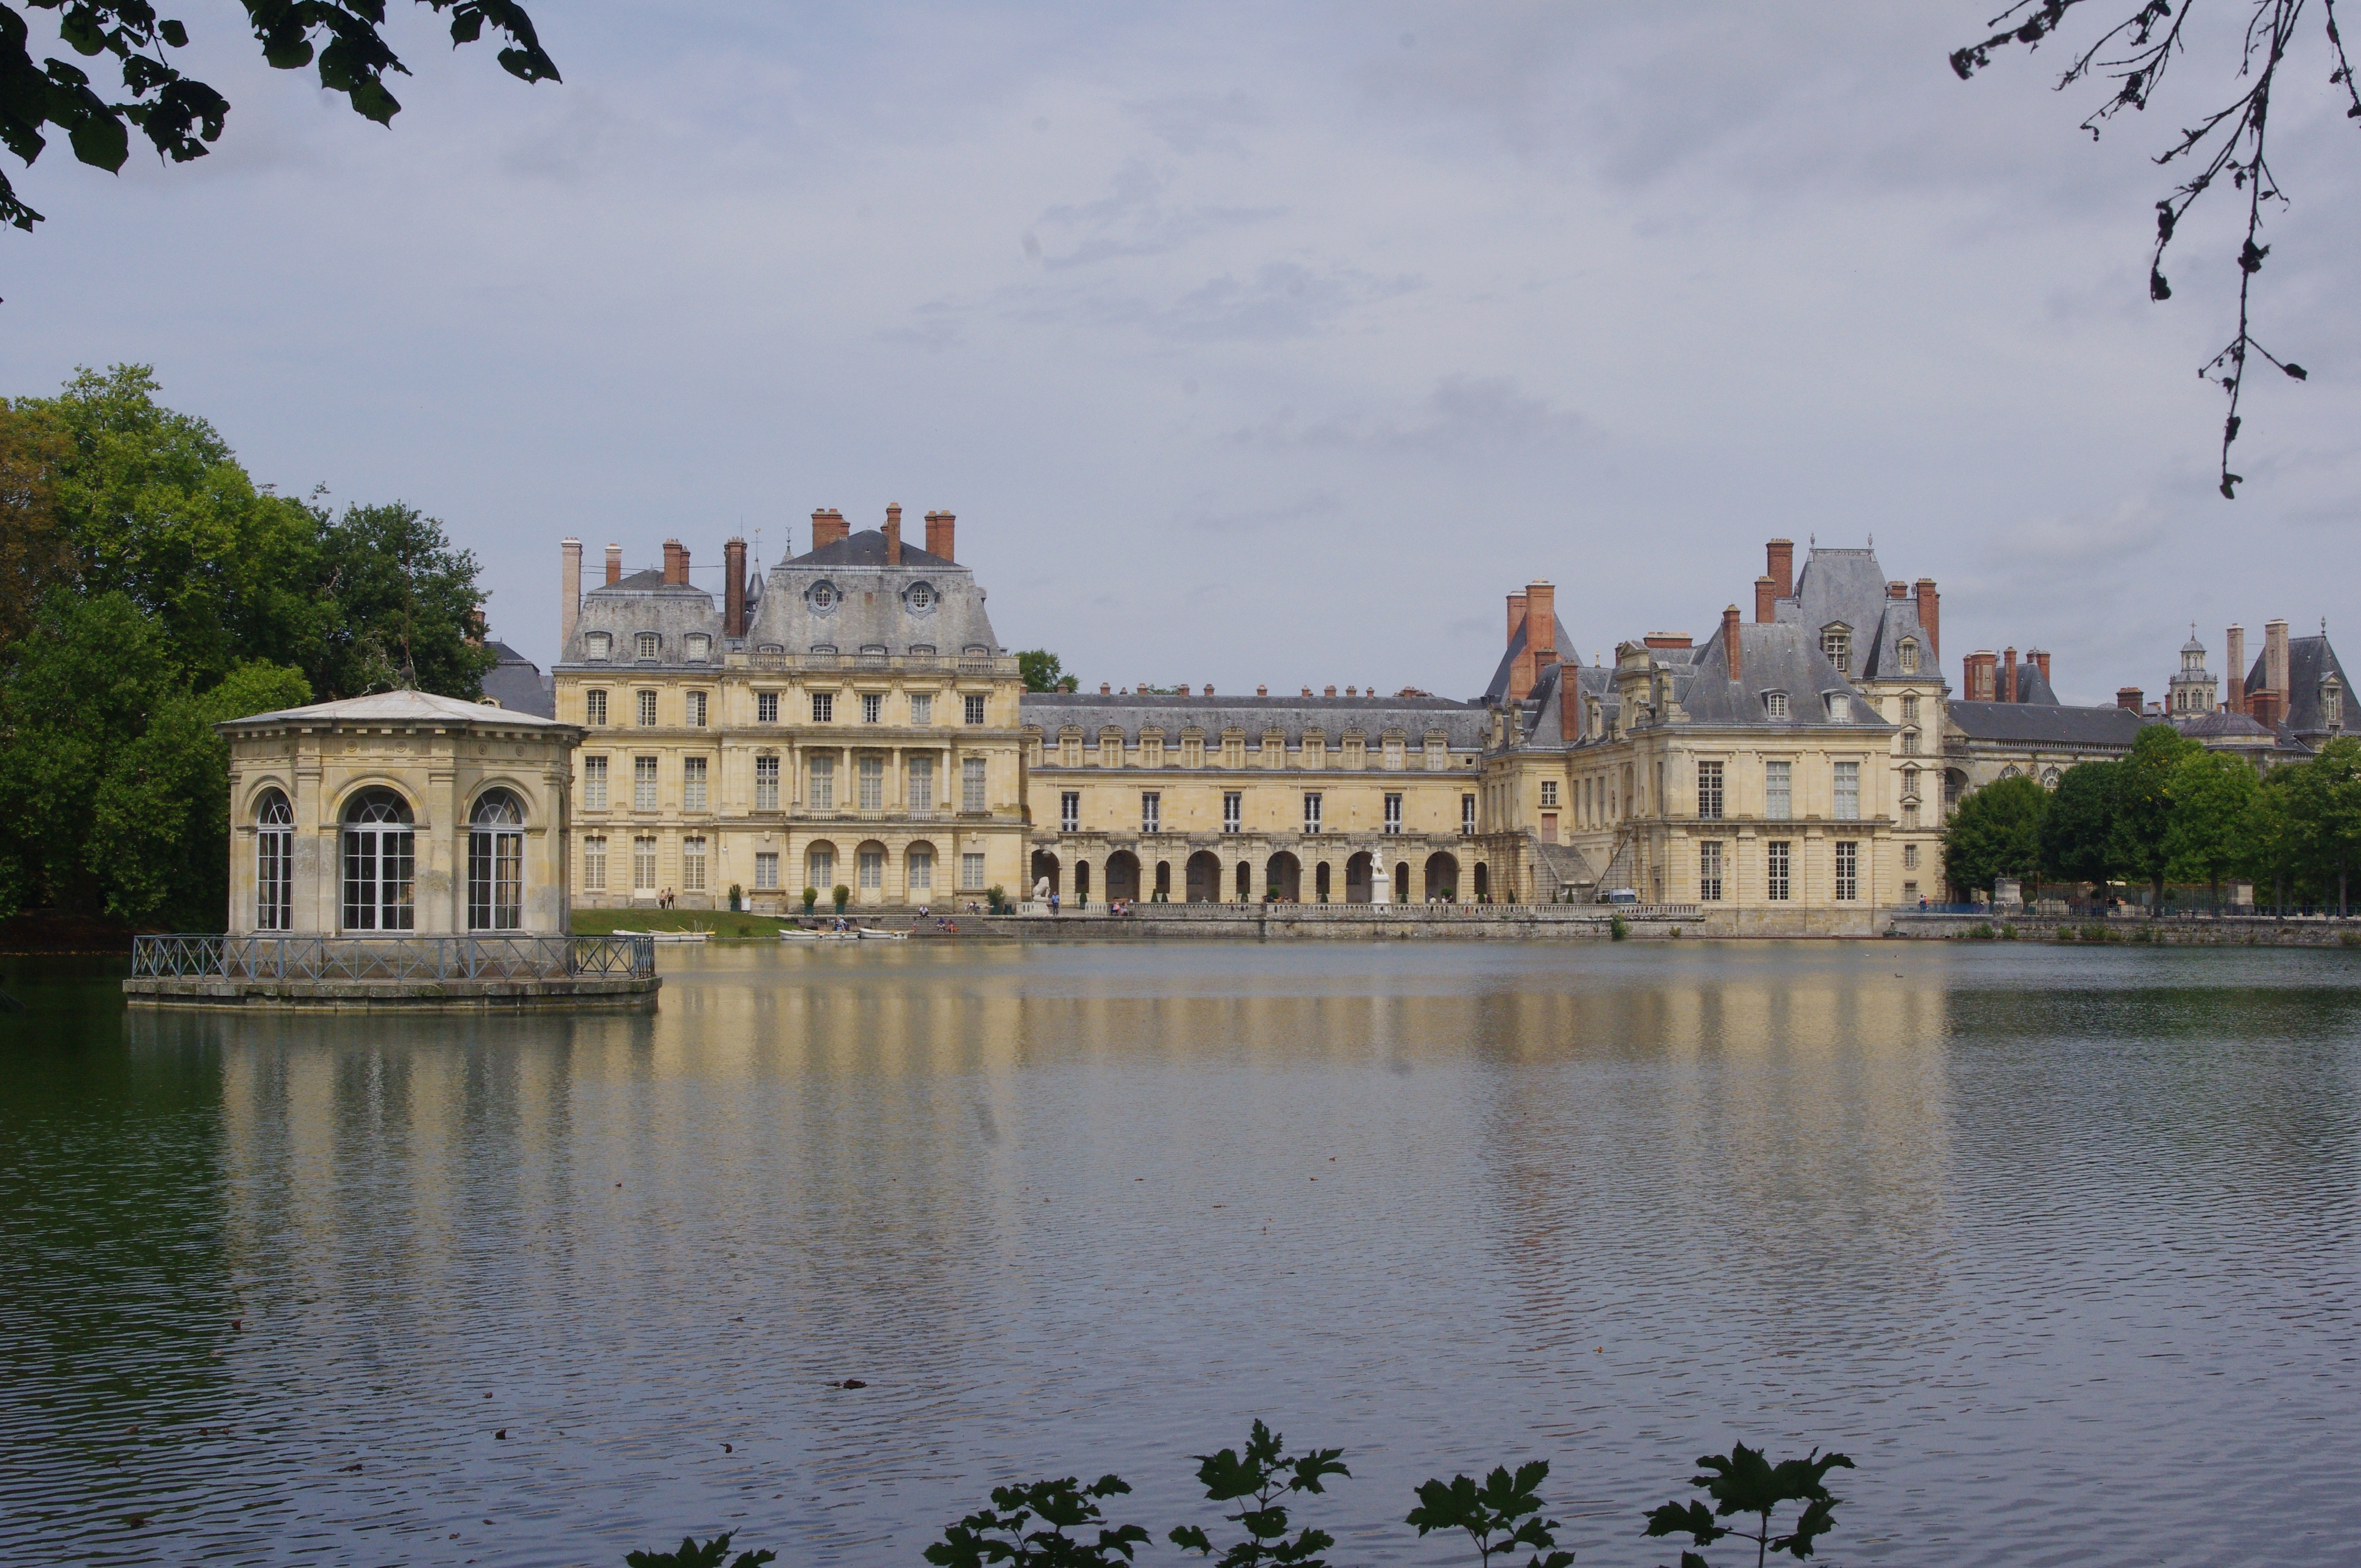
724, 925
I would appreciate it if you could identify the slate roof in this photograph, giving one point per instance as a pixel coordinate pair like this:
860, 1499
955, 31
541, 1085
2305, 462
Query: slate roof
1777, 657
866, 548
517, 683
2223, 727
1496, 690
2310, 661
2033, 688
870, 606
2054, 724
1466, 725
1849, 586
395, 708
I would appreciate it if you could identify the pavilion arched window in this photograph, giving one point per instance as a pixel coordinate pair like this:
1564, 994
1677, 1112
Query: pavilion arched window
274, 864
496, 863
381, 863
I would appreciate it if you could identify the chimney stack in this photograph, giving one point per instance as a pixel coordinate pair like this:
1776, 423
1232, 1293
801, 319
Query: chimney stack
1541, 623
2236, 695
1262, 691
2008, 675
940, 541
1569, 705
733, 590
672, 572
1666, 640
1897, 590
1930, 614
1730, 640
614, 564
1781, 554
1765, 590
893, 535
1330, 691
2275, 662
1516, 616
1978, 668
2264, 707
2130, 698
827, 527
569, 593
2040, 657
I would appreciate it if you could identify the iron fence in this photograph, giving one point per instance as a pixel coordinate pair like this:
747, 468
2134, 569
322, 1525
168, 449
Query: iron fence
483, 956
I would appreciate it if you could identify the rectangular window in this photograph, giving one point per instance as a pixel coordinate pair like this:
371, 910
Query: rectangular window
594, 863
644, 783
692, 784
872, 784
1774, 705
922, 708
1234, 811
597, 646
1910, 814
974, 706
1549, 791
823, 707
1909, 857
643, 864
1467, 815
766, 784
872, 708
1839, 708
1151, 811
971, 873
1778, 791
594, 706
1847, 791
922, 872
692, 865
594, 784
650, 644
696, 710
873, 870
1708, 792
1710, 872
767, 871
971, 776
823, 783
1437, 758
1070, 811
1393, 754
822, 867
1312, 811
647, 708
766, 707
1909, 892
1774, 870
1847, 870
1393, 812
1910, 742
700, 647
1910, 709
922, 783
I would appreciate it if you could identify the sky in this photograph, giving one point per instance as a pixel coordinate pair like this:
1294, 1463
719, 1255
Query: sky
1258, 344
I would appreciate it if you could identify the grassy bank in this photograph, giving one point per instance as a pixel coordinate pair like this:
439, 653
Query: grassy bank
724, 925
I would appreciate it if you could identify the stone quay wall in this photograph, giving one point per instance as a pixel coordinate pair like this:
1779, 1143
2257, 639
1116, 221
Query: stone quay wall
2204, 931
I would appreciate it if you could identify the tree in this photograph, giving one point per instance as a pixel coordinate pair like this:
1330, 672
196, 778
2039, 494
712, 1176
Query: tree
180, 115
2215, 815
2323, 815
2078, 831
1996, 832
1043, 672
1744, 1482
2135, 54
32, 540
2144, 803
405, 607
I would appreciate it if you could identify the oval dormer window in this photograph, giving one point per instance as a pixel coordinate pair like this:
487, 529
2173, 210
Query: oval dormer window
598, 647
822, 596
919, 597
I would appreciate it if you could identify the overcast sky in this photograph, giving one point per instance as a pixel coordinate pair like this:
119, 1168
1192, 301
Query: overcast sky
1257, 343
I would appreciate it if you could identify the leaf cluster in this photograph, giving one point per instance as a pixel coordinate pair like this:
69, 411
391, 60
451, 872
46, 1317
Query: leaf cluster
1043, 672
1744, 1481
180, 115
1501, 1514
1001, 1533
712, 1554
1261, 1477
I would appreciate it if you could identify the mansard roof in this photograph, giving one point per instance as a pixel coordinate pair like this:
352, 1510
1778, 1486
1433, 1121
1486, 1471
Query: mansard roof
842, 597
2054, 724
1774, 657
517, 683
2310, 662
867, 548
1496, 690
1849, 587
1464, 725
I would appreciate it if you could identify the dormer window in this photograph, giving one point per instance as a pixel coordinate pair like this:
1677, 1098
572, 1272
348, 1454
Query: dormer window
598, 647
700, 648
1836, 644
919, 596
1839, 706
1774, 705
2332, 704
650, 644
1909, 655
821, 596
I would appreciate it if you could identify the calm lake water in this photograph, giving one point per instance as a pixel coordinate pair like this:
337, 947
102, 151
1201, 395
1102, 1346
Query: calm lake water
2062, 1247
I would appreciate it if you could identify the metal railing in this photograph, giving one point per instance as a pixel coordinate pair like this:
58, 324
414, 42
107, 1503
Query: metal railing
481, 956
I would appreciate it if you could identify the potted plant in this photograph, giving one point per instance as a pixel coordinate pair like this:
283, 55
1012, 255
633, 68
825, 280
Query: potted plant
843, 895
811, 897
737, 896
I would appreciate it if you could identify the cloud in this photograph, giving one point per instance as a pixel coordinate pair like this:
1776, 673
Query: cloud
1461, 416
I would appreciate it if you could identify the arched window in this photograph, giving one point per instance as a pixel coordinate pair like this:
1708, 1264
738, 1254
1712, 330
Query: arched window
274, 864
381, 863
496, 863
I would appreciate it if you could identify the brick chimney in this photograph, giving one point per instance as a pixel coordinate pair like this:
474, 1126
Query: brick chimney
1516, 615
2236, 653
827, 527
1729, 639
2130, 698
2275, 662
2265, 708
940, 525
1931, 615
1765, 590
1329, 692
1666, 640
1569, 704
569, 591
1541, 623
1978, 668
675, 563
1781, 554
733, 591
2008, 675
1897, 590
893, 535
614, 564
2040, 657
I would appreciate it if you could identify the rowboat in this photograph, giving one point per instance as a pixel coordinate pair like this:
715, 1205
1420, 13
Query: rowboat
871, 934
792, 935
667, 936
